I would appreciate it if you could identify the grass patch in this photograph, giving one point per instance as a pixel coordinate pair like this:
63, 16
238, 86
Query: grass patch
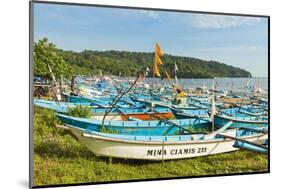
80, 111
60, 159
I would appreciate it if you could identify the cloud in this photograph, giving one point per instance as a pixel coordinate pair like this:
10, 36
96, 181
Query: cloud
235, 49
220, 21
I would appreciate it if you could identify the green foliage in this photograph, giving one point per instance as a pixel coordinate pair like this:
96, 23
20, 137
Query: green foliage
131, 63
46, 53
105, 130
127, 63
45, 121
80, 111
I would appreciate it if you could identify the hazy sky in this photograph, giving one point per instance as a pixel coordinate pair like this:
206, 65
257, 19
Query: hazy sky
237, 41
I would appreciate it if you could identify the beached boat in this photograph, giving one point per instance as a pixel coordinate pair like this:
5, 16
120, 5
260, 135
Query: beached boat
190, 113
182, 103
116, 113
159, 148
241, 121
249, 110
137, 127
235, 101
103, 102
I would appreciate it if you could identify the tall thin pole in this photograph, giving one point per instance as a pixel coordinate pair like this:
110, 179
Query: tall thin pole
153, 77
152, 91
176, 69
72, 83
213, 107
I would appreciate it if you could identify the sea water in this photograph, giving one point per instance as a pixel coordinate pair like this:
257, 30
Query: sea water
236, 84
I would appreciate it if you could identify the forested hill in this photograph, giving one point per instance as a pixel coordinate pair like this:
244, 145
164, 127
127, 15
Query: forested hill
131, 63
68, 63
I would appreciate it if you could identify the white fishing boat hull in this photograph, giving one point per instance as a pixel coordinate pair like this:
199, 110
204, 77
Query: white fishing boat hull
157, 151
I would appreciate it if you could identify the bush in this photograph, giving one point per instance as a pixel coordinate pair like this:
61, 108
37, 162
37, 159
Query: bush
80, 111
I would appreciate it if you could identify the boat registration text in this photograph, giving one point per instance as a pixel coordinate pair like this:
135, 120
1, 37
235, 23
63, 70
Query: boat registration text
176, 151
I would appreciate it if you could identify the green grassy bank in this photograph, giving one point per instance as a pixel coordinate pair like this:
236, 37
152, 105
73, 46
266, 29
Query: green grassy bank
60, 159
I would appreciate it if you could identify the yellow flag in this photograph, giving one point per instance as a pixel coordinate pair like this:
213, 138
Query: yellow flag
157, 60
155, 70
158, 50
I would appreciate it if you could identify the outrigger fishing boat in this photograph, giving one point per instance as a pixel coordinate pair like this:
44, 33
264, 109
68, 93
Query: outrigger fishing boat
159, 148
116, 113
242, 117
138, 127
241, 121
103, 102
180, 111
190, 113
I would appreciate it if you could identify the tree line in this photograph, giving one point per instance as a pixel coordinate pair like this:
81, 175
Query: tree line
124, 63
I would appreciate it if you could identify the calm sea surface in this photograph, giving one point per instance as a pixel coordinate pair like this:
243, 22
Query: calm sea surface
221, 83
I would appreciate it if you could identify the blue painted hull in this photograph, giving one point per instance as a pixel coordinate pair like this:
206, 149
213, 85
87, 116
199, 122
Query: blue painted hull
156, 128
187, 113
62, 107
102, 101
247, 122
